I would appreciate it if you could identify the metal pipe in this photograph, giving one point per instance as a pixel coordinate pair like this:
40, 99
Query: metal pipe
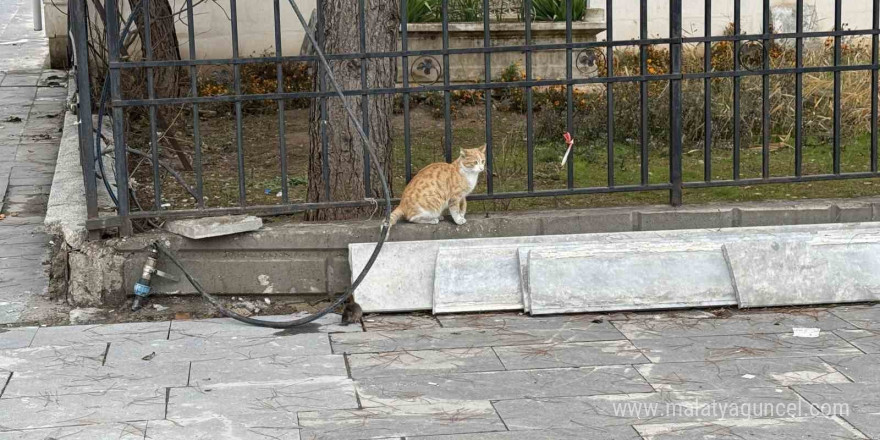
38, 14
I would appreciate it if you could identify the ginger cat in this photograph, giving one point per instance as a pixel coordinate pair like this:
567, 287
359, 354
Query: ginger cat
441, 186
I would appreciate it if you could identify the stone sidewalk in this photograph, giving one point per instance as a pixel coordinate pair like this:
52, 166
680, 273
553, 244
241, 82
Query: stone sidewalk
31, 116
720, 374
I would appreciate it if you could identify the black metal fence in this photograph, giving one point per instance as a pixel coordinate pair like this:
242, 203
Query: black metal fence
574, 50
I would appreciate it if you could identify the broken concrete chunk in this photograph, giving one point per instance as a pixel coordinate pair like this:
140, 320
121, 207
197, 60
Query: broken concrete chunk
87, 315
207, 227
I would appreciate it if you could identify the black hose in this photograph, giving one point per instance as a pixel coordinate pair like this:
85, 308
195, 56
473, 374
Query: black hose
368, 150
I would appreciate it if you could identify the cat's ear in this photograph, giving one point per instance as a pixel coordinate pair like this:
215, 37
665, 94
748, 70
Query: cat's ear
483, 149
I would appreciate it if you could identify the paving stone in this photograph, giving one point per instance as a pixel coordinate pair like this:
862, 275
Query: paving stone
420, 362
23, 261
407, 321
498, 385
575, 354
857, 403
23, 250
98, 378
219, 348
519, 321
227, 327
788, 272
52, 358
738, 374
739, 324
81, 409
116, 431
719, 348
461, 284
91, 334
544, 434
19, 337
863, 368
779, 429
407, 420
207, 227
865, 317
612, 416
215, 429
866, 340
268, 369
427, 339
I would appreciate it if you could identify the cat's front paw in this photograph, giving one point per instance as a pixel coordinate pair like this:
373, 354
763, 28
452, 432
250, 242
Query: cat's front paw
459, 220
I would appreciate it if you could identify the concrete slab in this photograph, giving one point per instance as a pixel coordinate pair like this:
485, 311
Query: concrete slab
147, 376
268, 369
613, 416
192, 349
866, 340
590, 280
737, 324
421, 362
863, 316
52, 358
377, 342
574, 354
207, 227
118, 431
407, 420
96, 334
544, 434
795, 428
521, 322
859, 368
215, 429
786, 272
499, 385
19, 337
394, 287
719, 348
476, 280
739, 373
857, 403
82, 409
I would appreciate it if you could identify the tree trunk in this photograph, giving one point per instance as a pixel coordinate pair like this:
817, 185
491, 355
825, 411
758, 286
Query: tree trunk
346, 178
166, 80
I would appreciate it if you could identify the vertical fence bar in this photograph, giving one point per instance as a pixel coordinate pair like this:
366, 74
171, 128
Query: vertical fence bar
609, 91
151, 94
838, 26
447, 137
875, 58
487, 77
799, 92
194, 91
407, 146
675, 172
530, 116
707, 95
365, 99
737, 80
86, 139
279, 78
239, 138
119, 144
643, 90
569, 101
322, 86
765, 94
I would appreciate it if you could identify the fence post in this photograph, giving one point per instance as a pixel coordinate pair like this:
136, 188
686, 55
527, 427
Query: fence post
675, 153
77, 13
119, 144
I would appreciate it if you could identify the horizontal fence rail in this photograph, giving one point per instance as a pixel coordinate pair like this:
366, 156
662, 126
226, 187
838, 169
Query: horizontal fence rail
599, 58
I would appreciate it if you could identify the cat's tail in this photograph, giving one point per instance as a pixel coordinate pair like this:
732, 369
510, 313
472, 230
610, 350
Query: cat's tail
396, 215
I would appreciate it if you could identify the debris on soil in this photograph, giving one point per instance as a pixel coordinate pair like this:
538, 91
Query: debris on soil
87, 315
159, 307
